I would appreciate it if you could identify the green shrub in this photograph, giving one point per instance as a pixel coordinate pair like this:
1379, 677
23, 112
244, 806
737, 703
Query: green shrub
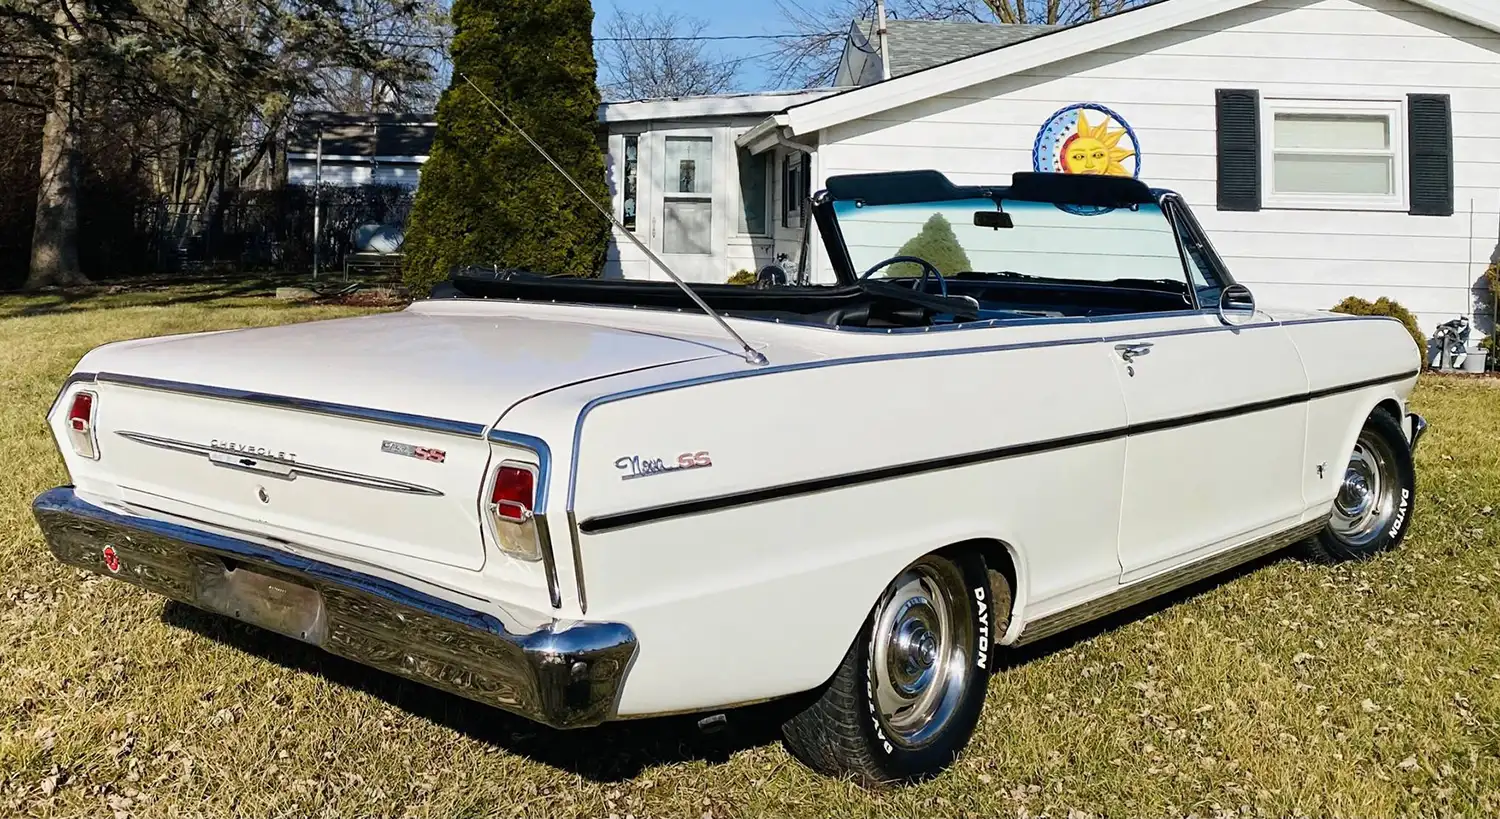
486, 197
1356, 306
742, 277
937, 244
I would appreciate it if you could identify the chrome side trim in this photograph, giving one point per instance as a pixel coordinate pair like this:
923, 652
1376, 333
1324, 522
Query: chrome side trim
765, 494
583, 597
544, 460
773, 369
277, 467
1157, 585
377, 416
543, 489
564, 674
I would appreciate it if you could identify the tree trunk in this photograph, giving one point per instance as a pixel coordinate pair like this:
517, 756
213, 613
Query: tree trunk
54, 240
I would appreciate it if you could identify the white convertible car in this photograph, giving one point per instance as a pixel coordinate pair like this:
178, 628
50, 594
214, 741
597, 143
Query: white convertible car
583, 501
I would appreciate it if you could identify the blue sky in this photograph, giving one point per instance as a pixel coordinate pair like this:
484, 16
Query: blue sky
752, 17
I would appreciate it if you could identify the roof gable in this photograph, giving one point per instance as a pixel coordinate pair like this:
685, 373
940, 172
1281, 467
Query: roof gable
1049, 47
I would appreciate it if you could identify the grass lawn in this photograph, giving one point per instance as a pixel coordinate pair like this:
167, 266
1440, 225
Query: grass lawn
1359, 690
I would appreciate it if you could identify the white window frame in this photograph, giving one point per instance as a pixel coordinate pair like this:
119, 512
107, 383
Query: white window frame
617, 151
1393, 110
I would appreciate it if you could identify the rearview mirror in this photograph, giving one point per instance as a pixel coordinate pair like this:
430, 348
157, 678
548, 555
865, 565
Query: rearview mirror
1236, 305
997, 219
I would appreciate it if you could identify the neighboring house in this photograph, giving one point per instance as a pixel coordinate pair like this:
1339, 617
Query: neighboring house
676, 177
358, 149
1330, 147
707, 207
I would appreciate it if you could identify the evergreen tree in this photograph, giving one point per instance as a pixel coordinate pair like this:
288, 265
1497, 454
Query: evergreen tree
937, 244
486, 197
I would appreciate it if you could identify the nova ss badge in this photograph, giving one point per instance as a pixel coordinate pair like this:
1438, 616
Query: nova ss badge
421, 453
635, 466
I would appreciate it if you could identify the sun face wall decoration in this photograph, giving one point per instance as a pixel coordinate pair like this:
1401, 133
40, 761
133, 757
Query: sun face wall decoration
1087, 138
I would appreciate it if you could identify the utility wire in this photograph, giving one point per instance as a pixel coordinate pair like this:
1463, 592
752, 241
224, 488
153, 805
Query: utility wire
440, 40
714, 37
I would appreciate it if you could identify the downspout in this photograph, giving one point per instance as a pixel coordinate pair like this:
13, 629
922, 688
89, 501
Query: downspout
885, 57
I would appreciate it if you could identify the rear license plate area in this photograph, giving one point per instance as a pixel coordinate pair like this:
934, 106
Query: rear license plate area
263, 600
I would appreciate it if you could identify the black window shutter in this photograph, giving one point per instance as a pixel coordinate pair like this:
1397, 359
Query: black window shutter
1239, 149
1429, 118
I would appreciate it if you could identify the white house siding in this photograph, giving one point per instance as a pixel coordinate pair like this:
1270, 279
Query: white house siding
1164, 87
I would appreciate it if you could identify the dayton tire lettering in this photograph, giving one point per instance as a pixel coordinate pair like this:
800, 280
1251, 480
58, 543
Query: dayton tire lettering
1401, 513
982, 658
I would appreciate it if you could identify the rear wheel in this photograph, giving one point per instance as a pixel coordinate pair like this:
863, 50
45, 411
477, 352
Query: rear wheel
908, 693
1373, 508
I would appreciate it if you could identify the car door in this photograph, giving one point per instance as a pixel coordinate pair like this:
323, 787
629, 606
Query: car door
1217, 419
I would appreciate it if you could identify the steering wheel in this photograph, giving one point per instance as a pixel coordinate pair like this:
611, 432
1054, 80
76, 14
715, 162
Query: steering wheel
927, 268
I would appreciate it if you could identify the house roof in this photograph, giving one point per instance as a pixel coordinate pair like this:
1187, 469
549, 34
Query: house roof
401, 136
1050, 47
917, 44
757, 103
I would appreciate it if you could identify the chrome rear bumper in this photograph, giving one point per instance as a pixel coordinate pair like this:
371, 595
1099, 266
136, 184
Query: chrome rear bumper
565, 677
1418, 428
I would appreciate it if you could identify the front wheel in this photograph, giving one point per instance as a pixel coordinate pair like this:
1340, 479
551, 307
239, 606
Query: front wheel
1373, 508
908, 693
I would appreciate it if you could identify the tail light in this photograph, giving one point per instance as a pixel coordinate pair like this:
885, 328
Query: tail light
511, 508
81, 425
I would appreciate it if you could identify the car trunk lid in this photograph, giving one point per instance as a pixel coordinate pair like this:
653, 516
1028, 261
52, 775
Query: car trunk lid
355, 436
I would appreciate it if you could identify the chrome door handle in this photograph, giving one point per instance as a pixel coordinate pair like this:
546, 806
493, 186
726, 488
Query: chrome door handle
1133, 350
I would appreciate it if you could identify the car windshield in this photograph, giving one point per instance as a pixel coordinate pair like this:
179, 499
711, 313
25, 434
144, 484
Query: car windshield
1043, 240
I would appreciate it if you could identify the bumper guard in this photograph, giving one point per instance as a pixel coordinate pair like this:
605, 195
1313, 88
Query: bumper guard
564, 677
1418, 429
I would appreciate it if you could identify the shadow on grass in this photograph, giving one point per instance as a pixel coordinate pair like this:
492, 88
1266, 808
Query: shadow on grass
612, 752
619, 750
1017, 657
142, 292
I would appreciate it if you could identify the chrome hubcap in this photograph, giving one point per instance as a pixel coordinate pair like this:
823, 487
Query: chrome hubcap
1366, 502
920, 650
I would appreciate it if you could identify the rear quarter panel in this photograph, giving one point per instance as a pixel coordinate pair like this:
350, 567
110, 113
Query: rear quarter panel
760, 600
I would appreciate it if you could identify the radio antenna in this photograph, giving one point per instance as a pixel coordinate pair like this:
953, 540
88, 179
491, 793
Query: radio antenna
752, 355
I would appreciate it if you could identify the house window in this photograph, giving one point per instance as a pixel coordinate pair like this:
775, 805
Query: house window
1344, 155
632, 186
792, 190
753, 185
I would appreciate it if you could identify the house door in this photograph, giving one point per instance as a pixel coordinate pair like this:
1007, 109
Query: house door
687, 204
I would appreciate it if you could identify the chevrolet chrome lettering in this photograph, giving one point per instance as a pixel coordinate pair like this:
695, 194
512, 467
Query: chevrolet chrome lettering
248, 449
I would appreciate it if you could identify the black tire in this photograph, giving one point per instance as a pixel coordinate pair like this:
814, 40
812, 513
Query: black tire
844, 731
1382, 445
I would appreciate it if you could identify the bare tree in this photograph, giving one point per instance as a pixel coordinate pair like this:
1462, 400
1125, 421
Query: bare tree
811, 58
206, 87
657, 54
